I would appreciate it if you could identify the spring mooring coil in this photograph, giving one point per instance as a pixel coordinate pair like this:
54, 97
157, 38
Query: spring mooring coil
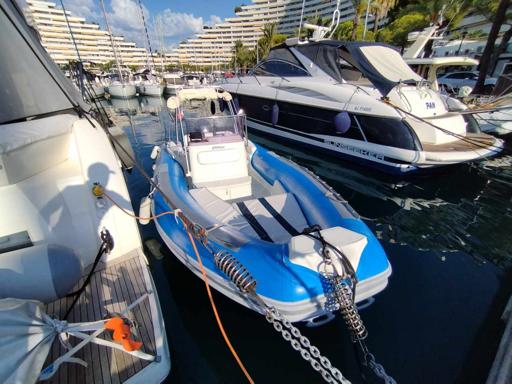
349, 310
235, 270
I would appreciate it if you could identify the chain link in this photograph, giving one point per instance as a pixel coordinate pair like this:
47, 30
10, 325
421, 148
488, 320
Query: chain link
301, 344
378, 369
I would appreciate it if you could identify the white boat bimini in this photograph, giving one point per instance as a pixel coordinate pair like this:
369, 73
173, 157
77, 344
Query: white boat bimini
258, 207
74, 279
359, 101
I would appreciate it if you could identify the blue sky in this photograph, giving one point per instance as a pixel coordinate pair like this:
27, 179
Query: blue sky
180, 19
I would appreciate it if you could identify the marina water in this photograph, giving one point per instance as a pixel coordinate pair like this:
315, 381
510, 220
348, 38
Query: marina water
447, 237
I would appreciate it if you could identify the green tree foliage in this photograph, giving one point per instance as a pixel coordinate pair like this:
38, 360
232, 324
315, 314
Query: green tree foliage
243, 57
269, 39
107, 66
452, 11
344, 31
380, 9
396, 32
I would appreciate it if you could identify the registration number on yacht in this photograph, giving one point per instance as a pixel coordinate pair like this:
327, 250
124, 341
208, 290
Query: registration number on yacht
359, 151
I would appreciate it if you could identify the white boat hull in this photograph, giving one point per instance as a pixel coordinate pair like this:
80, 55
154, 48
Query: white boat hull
151, 90
124, 91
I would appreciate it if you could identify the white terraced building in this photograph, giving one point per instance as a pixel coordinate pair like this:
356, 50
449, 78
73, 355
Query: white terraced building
93, 43
214, 46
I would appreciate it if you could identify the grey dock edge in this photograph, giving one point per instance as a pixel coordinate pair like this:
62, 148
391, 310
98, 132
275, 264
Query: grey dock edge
501, 370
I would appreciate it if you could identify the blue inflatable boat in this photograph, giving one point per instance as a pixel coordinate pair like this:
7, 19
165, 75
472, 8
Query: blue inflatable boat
258, 207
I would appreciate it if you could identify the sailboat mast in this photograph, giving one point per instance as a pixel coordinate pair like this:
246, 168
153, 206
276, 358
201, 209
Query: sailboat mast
112, 42
147, 43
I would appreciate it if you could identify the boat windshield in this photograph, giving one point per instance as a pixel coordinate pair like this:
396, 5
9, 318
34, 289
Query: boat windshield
207, 129
211, 118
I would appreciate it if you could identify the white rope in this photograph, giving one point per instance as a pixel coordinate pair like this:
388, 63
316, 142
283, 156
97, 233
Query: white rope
61, 326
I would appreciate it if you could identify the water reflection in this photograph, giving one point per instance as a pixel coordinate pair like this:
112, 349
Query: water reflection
464, 208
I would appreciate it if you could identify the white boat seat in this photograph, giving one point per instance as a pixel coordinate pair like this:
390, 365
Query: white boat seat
275, 218
222, 211
30, 147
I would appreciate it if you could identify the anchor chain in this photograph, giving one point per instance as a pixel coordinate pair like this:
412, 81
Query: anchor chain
342, 289
244, 281
301, 344
340, 280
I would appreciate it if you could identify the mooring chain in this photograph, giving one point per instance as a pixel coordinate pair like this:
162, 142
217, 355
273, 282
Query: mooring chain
301, 344
378, 369
344, 294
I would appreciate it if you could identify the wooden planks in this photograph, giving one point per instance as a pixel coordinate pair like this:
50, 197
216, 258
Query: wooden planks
110, 290
471, 142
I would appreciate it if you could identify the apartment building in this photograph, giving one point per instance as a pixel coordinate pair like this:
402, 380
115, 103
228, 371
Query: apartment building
93, 43
214, 46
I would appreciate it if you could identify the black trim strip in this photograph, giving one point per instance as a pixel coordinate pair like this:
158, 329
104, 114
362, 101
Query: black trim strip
280, 219
347, 153
253, 222
281, 128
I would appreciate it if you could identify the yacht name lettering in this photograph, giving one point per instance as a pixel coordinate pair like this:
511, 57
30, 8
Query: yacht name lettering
363, 152
430, 105
362, 108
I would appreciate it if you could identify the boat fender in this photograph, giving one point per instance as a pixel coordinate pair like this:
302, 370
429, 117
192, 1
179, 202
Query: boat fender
44, 272
275, 114
155, 152
342, 122
145, 210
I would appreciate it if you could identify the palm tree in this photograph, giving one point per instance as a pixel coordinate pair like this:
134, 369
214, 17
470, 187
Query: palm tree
380, 9
360, 7
265, 42
269, 39
452, 11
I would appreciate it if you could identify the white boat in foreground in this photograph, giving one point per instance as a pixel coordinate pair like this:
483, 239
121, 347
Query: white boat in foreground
72, 266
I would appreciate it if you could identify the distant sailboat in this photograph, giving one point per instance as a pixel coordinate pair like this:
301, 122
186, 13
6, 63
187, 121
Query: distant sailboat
117, 88
151, 85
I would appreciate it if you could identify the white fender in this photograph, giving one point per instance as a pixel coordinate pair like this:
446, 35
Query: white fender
145, 210
155, 152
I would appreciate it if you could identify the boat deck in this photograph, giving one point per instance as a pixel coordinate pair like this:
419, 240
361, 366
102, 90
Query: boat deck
473, 142
112, 288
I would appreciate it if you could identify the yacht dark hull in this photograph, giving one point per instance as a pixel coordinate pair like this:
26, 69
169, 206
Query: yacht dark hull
313, 127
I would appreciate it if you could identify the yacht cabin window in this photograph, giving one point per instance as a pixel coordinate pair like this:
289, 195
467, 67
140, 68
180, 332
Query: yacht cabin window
281, 68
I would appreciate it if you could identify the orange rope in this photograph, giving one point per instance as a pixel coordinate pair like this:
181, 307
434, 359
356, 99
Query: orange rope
205, 279
217, 317
135, 216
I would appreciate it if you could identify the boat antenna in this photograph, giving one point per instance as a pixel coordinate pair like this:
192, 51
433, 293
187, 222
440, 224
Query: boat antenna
301, 17
112, 42
147, 38
80, 66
